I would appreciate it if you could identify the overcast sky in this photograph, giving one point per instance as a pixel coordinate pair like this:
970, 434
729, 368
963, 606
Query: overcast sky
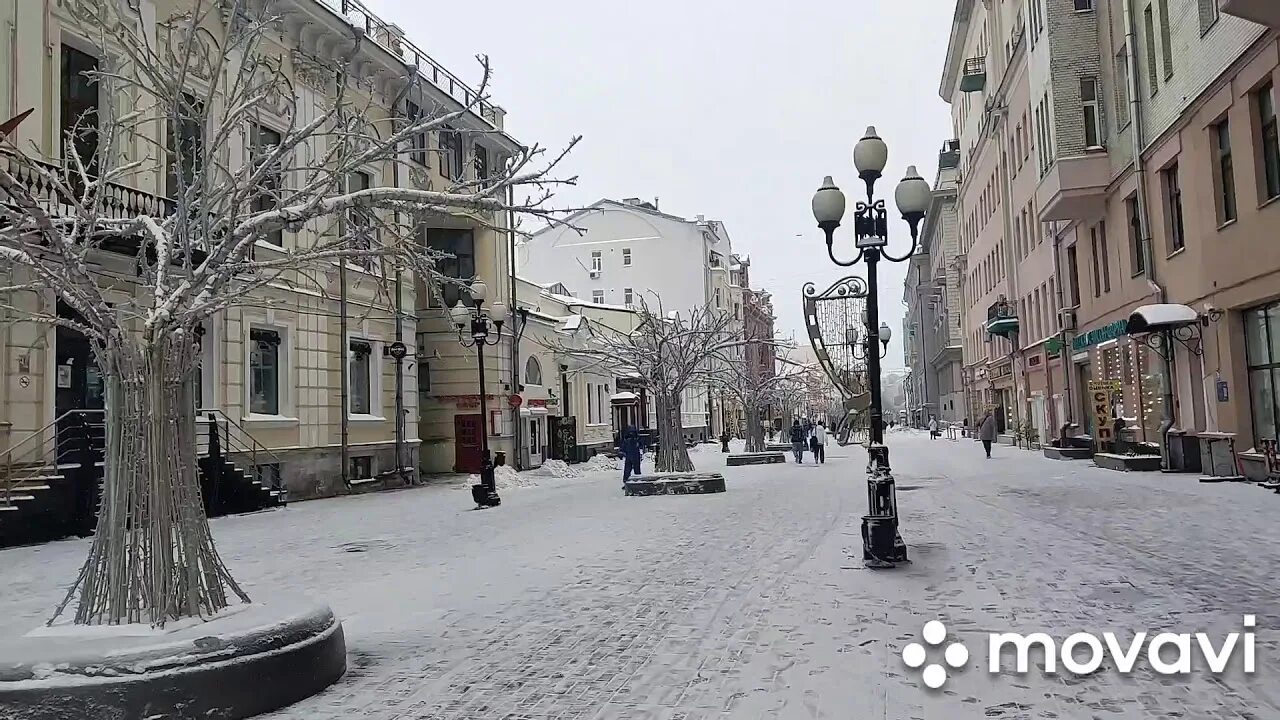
730, 109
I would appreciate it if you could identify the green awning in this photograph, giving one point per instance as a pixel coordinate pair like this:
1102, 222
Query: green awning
1004, 326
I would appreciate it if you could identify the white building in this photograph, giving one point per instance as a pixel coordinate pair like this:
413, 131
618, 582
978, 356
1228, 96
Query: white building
617, 253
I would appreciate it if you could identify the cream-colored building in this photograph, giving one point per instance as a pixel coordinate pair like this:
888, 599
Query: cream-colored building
273, 366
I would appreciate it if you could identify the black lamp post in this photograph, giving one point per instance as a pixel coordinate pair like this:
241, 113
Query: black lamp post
478, 328
882, 545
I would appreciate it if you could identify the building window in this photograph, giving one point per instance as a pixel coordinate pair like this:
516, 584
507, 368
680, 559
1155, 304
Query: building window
1208, 14
267, 194
1153, 72
1173, 208
424, 377
185, 144
626, 257
360, 378
1166, 43
532, 371
1262, 350
597, 296
480, 162
79, 120
1224, 172
597, 261
264, 371
628, 297
1106, 256
717, 297
1139, 262
457, 261
359, 225
1089, 101
450, 143
1073, 275
737, 311
1084, 5
1097, 262
361, 467
1122, 86
417, 141
1266, 102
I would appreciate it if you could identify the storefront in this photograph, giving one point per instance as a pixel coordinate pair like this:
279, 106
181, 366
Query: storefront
1262, 358
1108, 354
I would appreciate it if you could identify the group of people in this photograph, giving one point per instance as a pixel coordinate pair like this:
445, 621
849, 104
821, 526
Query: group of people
809, 434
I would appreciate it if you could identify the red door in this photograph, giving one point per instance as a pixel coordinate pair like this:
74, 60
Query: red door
466, 443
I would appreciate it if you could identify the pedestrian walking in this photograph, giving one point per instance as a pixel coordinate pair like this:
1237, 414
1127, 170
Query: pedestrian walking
820, 443
933, 428
797, 441
987, 432
631, 450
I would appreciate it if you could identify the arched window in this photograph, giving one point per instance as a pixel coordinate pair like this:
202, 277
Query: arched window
532, 372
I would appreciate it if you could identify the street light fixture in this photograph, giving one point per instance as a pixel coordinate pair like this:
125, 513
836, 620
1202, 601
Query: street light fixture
479, 328
882, 545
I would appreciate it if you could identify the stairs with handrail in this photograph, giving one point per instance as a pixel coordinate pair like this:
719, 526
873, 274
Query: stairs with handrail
50, 481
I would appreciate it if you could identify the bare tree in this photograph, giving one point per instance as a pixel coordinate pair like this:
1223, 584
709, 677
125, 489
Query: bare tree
668, 352
202, 250
759, 387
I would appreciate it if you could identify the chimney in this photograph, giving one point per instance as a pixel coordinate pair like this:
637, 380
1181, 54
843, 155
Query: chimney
655, 202
701, 218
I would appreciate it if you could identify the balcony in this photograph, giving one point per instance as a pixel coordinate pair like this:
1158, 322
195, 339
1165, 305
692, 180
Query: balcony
949, 157
1001, 319
1075, 187
1263, 12
974, 76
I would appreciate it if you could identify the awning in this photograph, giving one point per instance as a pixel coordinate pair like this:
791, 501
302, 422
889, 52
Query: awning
624, 397
1003, 326
532, 411
1161, 317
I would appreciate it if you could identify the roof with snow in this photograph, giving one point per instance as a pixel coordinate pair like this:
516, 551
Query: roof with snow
1162, 316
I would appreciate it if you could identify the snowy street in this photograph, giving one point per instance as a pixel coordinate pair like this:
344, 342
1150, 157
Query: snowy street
572, 601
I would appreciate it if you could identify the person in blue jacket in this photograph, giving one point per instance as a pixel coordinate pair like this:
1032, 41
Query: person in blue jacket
631, 450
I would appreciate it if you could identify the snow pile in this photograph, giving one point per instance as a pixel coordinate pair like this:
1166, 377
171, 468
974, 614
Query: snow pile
559, 469
505, 477
603, 462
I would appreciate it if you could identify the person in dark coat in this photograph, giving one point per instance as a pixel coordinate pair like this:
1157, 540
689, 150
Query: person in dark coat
987, 432
631, 449
797, 441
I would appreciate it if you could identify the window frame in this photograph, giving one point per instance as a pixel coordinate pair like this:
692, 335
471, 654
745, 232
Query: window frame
1271, 366
360, 225
1079, 9
177, 165
532, 368
1224, 180
1092, 107
1269, 141
257, 333
460, 265
628, 296
266, 196
1133, 217
597, 296
597, 261
626, 257
1153, 70
419, 149
370, 348
1171, 190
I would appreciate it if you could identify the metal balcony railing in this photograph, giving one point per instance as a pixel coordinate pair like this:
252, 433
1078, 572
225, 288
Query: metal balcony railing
974, 76
393, 40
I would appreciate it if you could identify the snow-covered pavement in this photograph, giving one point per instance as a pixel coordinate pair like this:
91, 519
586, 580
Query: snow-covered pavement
572, 601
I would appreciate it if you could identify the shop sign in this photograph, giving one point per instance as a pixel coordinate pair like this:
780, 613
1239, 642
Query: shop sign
1100, 392
1099, 335
538, 403
1003, 370
1053, 346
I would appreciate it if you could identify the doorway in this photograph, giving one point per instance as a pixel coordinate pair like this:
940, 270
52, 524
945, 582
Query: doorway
468, 456
535, 428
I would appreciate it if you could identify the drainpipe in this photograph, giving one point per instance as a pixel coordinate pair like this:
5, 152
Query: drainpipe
518, 450
1144, 233
344, 346
399, 306
1011, 271
1065, 353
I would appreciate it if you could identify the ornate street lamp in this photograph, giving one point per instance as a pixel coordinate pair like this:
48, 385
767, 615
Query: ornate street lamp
479, 328
882, 545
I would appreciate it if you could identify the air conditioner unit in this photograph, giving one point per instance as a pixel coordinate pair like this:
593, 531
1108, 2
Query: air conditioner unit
595, 273
1067, 319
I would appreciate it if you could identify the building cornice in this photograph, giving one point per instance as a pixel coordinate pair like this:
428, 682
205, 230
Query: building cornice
955, 49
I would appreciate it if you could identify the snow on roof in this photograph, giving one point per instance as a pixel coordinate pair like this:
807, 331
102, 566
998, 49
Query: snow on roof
1162, 316
572, 323
624, 395
574, 302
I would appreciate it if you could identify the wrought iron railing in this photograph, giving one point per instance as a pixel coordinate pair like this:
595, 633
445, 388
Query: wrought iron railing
42, 452
220, 436
393, 40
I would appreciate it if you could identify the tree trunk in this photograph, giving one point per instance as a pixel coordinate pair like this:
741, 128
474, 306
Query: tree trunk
672, 454
152, 558
755, 431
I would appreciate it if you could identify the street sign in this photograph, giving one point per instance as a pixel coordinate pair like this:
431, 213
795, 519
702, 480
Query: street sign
515, 401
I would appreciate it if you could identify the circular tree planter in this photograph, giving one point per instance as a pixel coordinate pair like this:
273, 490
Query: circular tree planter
690, 483
248, 660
